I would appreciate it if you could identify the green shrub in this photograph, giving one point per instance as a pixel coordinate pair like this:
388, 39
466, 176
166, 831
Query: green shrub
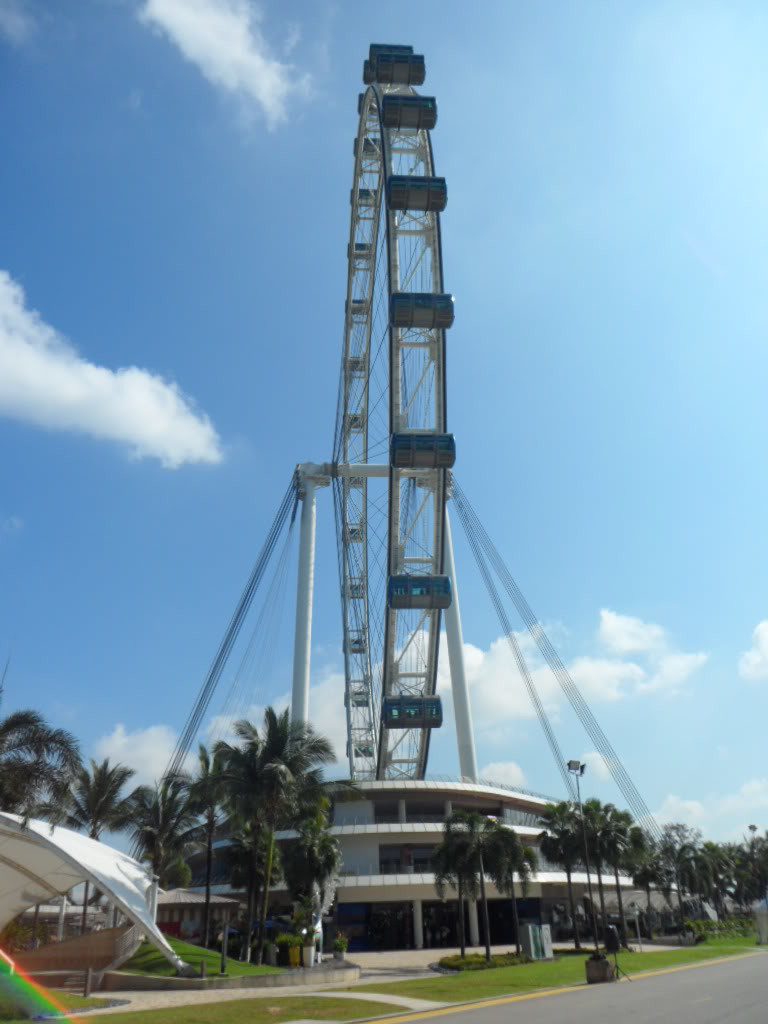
285, 940
477, 961
728, 927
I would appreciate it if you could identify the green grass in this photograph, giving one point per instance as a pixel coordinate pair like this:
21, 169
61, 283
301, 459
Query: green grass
147, 960
9, 1009
569, 970
261, 1011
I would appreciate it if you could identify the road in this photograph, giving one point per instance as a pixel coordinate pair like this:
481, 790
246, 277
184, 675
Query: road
733, 991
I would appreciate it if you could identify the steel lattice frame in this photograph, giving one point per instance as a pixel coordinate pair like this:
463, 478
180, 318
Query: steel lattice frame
392, 380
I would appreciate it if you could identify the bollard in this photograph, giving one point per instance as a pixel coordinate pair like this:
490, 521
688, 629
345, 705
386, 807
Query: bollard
88, 984
202, 969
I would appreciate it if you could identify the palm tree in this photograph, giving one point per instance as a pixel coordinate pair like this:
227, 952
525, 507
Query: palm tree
648, 873
507, 857
720, 870
163, 824
680, 851
206, 795
311, 860
466, 842
562, 845
95, 802
37, 763
620, 838
274, 777
595, 824
247, 854
451, 868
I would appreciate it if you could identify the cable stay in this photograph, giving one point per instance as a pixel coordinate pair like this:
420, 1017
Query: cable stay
258, 657
483, 548
286, 511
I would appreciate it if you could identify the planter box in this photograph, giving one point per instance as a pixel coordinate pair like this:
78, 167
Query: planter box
294, 956
338, 954
309, 955
599, 971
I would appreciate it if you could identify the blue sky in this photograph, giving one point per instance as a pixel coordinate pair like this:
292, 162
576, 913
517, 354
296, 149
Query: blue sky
174, 191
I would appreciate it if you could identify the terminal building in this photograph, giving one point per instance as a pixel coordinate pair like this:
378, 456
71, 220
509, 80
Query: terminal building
386, 899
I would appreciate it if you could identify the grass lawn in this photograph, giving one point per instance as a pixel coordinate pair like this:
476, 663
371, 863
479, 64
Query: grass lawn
9, 1009
147, 960
260, 1011
569, 970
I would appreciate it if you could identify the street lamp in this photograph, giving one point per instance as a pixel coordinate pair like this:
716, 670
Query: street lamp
577, 769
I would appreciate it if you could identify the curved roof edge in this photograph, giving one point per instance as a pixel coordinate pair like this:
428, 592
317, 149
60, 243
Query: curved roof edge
39, 860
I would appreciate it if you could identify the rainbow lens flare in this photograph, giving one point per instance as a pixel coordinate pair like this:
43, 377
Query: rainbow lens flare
32, 999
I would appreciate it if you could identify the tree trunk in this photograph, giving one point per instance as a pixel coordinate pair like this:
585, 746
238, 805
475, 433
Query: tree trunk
601, 893
245, 952
265, 900
486, 925
462, 936
85, 908
624, 934
515, 918
680, 903
207, 907
649, 908
576, 939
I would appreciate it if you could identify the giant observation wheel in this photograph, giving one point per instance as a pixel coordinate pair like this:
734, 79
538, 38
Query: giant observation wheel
392, 451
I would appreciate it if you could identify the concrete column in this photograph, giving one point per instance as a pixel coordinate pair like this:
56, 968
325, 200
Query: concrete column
474, 924
461, 707
62, 919
152, 898
448, 809
418, 925
401, 816
303, 634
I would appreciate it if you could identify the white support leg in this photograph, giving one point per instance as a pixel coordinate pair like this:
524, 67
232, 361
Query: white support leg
462, 711
303, 635
62, 918
418, 925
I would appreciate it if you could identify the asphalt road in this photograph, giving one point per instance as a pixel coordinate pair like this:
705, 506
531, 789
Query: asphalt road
735, 992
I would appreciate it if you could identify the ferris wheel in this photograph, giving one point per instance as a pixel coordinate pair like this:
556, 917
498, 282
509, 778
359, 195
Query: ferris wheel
392, 452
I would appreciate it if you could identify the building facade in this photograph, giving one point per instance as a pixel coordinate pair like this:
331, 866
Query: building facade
386, 899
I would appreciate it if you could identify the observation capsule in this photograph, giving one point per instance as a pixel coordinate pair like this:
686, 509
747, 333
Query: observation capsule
426, 592
409, 112
409, 192
421, 309
367, 146
412, 712
422, 451
359, 251
354, 421
358, 642
365, 197
394, 65
357, 307
356, 588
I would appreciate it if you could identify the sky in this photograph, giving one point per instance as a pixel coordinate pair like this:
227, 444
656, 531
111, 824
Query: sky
174, 202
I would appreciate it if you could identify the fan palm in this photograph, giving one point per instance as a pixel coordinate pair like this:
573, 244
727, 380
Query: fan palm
506, 859
648, 873
37, 763
274, 777
206, 795
562, 845
96, 802
163, 824
247, 855
596, 826
311, 860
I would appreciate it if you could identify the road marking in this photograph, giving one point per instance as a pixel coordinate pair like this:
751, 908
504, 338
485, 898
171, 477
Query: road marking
481, 1004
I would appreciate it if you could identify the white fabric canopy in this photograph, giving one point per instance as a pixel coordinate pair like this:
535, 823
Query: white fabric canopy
39, 861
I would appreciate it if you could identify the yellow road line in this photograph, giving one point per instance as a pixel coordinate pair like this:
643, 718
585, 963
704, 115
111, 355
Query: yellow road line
482, 1004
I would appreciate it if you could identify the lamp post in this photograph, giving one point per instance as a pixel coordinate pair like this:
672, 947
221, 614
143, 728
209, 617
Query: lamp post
577, 769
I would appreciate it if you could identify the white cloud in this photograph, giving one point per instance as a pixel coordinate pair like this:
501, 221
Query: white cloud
753, 664
674, 808
672, 671
605, 678
720, 815
596, 765
147, 751
508, 773
44, 381
625, 634
16, 22
223, 39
